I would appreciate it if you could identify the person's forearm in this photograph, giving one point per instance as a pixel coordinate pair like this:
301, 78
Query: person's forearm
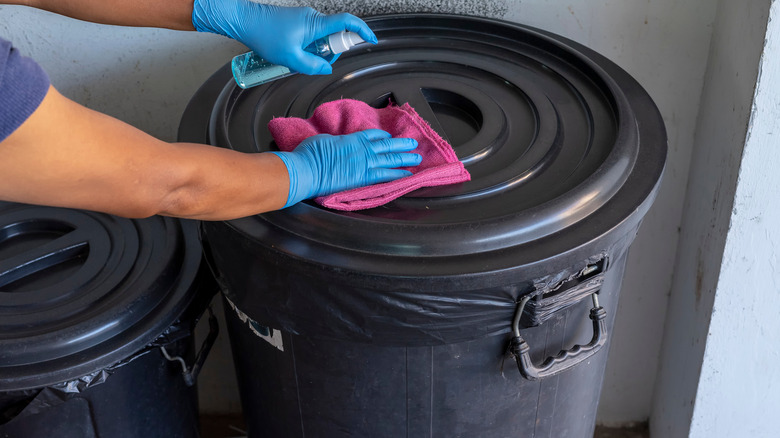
70, 156
220, 184
170, 14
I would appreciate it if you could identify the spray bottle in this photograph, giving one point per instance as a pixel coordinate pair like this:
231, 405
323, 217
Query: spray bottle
250, 70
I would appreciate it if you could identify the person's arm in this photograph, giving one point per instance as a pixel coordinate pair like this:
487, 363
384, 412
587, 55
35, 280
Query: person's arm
67, 155
169, 14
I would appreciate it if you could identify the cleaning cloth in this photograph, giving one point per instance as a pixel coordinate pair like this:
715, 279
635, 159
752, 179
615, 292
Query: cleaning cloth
439, 166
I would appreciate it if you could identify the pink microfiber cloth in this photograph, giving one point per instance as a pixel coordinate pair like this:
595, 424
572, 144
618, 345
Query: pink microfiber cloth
439, 164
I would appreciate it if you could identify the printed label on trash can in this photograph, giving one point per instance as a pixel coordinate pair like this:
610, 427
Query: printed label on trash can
273, 337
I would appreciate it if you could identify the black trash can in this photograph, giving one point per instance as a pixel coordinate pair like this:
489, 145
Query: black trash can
90, 306
482, 309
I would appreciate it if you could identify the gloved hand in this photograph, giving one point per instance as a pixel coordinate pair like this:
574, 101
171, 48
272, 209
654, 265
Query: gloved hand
278, 34
325, 164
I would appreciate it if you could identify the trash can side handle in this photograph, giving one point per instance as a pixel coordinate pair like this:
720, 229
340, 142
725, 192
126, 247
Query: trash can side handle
190, 373
565, 359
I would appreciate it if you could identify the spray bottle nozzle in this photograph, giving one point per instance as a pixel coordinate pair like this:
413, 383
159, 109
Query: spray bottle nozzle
342, 41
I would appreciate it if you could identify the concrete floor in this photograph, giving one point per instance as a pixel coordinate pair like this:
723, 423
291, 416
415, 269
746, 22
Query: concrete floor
214, 426
638, 431
233, 427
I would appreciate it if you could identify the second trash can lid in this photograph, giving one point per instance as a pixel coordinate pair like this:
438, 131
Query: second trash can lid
81, 291
562, 145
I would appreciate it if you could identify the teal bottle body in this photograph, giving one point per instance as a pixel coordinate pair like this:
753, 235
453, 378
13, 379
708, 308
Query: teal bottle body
250, 70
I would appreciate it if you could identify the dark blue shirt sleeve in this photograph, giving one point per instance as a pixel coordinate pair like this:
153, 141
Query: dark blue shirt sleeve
23, 85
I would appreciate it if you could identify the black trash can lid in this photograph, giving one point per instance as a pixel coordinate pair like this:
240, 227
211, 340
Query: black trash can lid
81, 291
562, 145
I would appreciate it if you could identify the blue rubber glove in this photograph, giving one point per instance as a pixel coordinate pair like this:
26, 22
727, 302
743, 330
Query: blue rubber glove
325, 164
278, 34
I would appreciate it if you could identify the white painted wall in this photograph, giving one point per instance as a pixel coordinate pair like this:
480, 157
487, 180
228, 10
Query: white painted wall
739, 385
719, 374
146, 76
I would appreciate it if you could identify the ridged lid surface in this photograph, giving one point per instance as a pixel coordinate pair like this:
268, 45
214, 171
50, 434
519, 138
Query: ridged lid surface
80, 291
560, 142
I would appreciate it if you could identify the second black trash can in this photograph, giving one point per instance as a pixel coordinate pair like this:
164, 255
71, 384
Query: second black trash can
96, 324
482, 309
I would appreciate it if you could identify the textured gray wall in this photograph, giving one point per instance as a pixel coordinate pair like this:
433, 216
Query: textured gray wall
485, 8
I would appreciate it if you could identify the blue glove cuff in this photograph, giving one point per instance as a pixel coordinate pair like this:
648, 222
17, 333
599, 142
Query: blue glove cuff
202, 16
293, 195
198, 16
